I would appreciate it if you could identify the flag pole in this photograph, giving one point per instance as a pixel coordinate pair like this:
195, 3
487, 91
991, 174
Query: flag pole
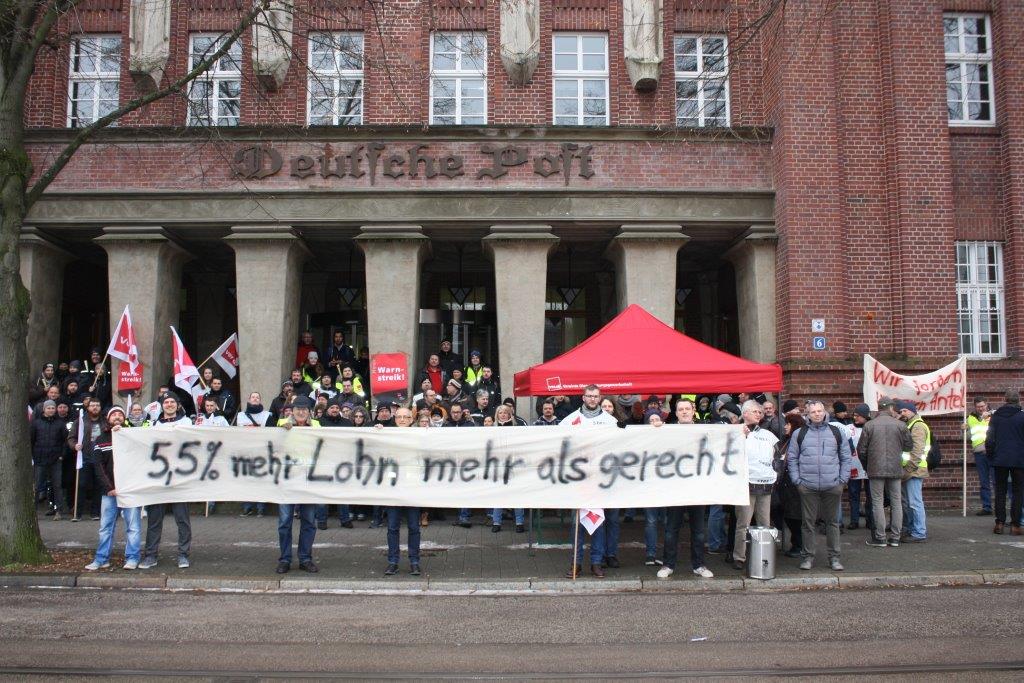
575, 545
965, 459
74, 514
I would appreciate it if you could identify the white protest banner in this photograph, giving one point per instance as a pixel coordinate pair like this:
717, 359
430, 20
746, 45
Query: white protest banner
935, 393
526, 467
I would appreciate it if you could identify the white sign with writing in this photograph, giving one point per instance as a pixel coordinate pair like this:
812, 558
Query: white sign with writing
935, 393
526, 467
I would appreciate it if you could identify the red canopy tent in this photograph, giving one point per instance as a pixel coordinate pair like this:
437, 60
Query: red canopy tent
638, 354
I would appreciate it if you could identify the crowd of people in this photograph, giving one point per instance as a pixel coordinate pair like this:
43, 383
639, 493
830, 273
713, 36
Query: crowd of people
800, 458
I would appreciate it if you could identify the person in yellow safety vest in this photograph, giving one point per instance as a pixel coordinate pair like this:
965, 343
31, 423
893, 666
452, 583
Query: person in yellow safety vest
977, 431
915, 471
300, 417
358, 384
473, 374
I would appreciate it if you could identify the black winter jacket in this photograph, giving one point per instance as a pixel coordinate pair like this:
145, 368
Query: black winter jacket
48, 436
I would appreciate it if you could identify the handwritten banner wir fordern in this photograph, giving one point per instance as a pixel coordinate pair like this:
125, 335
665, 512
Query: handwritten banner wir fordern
528, 467
935, 393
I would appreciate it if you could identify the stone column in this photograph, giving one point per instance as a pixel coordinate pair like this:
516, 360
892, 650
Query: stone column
753, 258
42, 272
144, 272
520, 255
268, 282
394, 255
644, 255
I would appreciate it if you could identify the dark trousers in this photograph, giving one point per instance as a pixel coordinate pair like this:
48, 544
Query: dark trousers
853, 488
155, 528
412, 523
1016, 477
672, 526
88, 491
51, 474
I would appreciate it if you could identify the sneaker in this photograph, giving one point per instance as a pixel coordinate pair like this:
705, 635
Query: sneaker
794, 553
914, 539
665, 572
261, 514
94, 565
57, 517
495, 528
612, 561
283, 567
520, 528
807, 563
894, 543
983, 513
715, 551
130, 565
835, 565
702, 572
322, 526
415, 569
347, 524
76, 519
391, 570
183, 562
650, 562
95, 518
853, 525
247, 513
875, 543
465, 524
147, 563
360, 517
309, 567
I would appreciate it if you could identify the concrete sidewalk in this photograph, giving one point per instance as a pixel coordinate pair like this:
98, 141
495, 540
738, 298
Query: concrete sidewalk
234, 553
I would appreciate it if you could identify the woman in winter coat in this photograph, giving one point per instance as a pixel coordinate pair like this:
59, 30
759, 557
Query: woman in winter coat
787, 496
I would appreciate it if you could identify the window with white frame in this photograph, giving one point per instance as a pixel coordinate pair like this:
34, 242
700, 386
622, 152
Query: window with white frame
702, 81
580, 75
93, 74
335, 79
215, 98
981, 321
458, 78
969, 97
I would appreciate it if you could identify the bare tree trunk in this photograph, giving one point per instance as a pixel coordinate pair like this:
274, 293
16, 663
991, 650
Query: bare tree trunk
19, 529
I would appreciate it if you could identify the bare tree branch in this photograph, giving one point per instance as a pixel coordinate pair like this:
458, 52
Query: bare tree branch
83, 136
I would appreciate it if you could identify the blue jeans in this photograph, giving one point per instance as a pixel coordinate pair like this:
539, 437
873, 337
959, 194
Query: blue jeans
914, 520
716, 528
981, 461
854, 488
344, 513
612, 526
597, 542
520, 515
672, 526
261, 508
412, 523
108, 524
651, 518
307, 531
464, 514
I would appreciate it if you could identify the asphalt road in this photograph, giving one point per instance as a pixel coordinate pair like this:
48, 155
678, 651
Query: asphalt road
947, 633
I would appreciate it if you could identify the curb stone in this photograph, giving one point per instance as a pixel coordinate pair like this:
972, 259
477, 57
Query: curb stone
788, 582
586, 585
299, 585
120, 580
909, 580
38, 580
1002, 576
212, 583
516, 586
687, 585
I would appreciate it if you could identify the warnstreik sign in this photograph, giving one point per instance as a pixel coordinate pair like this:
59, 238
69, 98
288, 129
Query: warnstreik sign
935, 393
528, 467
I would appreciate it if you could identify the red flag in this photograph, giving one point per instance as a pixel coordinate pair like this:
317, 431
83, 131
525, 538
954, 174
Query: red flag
122, 344
226, 355
185, 373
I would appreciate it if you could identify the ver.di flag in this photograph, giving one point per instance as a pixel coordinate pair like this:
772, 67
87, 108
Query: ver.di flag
226, 356
186, 375
591, 518
122, 345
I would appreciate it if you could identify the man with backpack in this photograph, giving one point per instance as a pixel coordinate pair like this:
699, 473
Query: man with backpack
882, 444
819, 465
915, 471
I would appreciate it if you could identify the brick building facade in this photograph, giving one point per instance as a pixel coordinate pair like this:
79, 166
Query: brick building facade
832, 177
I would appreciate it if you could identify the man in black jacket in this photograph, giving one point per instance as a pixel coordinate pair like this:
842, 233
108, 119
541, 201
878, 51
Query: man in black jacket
225, 399
48, 435
88, 488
